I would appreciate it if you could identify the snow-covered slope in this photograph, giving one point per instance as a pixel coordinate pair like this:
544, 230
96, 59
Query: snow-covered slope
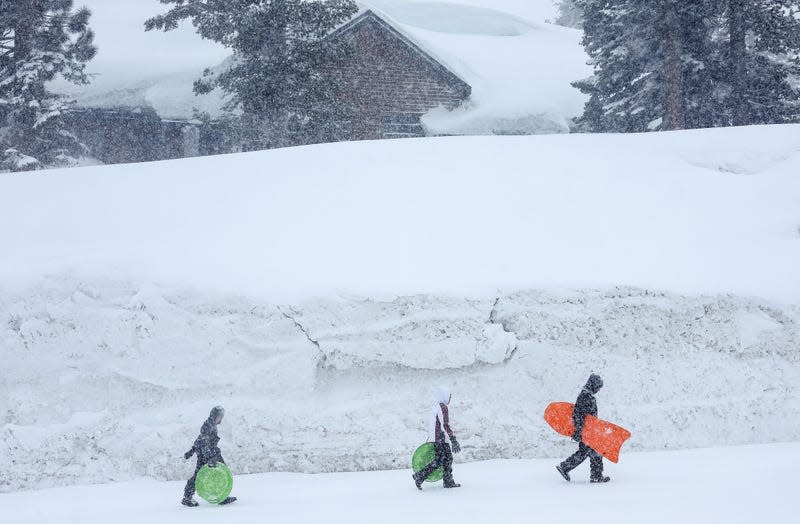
731, 485
320, 293
711, 211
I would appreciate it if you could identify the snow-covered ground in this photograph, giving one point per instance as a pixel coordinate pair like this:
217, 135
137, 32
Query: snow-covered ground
714, 211
730, 485
319, 293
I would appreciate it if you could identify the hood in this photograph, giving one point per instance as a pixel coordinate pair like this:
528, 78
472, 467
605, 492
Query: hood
216, 411
442, 395
594, 383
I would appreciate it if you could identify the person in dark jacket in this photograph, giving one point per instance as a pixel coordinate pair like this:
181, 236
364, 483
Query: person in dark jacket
444, 442
205, 446
585, 405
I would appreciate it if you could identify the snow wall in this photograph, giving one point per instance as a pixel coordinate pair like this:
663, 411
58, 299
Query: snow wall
105, 381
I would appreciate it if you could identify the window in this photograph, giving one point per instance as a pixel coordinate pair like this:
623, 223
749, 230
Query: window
401, 125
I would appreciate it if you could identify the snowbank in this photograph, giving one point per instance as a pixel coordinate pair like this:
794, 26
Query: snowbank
109, 382
320, 300
697, 212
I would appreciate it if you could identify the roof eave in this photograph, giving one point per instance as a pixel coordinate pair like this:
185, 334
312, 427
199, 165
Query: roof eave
462, 87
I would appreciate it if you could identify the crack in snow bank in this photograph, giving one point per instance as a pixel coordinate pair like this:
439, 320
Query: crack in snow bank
418, 332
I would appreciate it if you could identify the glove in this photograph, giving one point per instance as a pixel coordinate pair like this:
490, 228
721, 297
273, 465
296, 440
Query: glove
454, 445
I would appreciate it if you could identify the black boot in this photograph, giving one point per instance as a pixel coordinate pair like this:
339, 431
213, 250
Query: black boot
228, 500
560, 469
188, 501
452, 485
599, 480
418, 481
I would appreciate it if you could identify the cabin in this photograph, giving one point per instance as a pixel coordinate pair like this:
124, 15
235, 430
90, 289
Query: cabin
391, 81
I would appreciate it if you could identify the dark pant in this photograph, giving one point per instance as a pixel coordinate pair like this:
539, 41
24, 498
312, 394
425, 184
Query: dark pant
443, 459
595, 460
188, 491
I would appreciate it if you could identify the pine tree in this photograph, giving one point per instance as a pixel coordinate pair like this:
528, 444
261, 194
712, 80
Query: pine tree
281, 77
570, 14
761, 52
625, 92
677, 64
39, 40
654, 65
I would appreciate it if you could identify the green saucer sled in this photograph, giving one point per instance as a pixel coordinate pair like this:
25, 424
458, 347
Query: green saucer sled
423, 456
214, 484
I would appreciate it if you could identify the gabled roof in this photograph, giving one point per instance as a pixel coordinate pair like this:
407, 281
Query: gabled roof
393, 32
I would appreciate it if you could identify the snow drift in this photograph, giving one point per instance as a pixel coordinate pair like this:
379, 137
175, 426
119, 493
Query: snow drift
320, 293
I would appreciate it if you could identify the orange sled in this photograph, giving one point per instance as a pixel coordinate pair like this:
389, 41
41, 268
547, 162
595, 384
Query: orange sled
603, 437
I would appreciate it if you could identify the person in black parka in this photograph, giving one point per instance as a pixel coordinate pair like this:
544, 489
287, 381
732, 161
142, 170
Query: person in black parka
585, 405
205, 446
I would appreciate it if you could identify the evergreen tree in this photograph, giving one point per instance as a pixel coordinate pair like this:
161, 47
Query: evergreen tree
39, 40
676, 64
625, 91
281, 77
761, 50
570, 14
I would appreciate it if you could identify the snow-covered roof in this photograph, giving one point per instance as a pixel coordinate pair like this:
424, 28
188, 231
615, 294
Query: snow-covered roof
519, 69
368, 15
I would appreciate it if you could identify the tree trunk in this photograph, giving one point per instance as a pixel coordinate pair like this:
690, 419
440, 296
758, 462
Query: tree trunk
674, 103
738, 68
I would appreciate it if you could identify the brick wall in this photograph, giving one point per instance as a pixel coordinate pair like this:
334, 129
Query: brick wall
384, 77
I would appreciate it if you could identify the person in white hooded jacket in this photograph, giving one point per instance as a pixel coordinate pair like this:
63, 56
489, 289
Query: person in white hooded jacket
444, 441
